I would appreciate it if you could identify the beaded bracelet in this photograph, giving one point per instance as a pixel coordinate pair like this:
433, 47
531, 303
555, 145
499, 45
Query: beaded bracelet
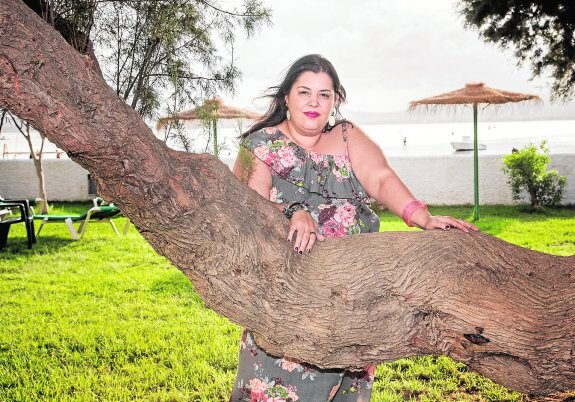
289, 210
409, 209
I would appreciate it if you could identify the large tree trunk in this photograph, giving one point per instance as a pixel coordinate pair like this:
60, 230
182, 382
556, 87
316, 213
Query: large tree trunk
507, 312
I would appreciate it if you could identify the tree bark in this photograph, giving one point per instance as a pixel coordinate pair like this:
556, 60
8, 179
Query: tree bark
505, 311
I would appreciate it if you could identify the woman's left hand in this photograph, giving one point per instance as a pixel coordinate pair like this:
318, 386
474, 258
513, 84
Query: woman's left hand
448, 222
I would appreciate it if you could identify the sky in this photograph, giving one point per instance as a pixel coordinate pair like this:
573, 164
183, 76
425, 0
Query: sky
387, 53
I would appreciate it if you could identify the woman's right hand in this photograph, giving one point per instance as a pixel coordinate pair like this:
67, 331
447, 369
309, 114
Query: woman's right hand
306, 231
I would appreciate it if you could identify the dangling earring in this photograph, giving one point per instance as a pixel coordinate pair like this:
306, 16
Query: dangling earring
288, 115
331, 120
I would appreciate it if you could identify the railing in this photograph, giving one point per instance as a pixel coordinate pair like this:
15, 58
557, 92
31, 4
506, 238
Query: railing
26, 154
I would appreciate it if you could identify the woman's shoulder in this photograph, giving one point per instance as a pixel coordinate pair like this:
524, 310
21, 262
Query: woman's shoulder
261, 137
352, 128
356, 135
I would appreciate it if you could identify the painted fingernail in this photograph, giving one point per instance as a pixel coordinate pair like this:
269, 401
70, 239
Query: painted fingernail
447, 227
300, 252
308, 250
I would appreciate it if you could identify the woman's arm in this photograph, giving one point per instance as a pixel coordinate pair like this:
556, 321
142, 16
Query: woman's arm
257, 175
253, 172
383, 184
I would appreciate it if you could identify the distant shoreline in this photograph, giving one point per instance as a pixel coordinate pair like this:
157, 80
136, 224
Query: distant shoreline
517, 112
392, 155
416, 139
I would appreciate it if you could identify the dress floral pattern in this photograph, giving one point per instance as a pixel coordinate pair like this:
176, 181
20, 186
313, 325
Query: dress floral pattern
324, 183
338, 202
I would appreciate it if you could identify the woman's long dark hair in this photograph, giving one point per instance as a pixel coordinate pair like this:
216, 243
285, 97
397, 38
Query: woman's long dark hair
276, 112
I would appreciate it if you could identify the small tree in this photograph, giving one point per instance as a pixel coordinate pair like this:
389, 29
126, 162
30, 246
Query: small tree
527, 171
36, 155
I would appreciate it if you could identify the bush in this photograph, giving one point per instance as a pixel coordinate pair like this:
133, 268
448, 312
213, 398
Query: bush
527, 171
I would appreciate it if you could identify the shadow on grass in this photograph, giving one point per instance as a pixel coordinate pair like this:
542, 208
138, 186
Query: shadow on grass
17, 246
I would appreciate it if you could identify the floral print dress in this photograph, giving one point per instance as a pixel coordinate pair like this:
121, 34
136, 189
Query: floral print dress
338, 202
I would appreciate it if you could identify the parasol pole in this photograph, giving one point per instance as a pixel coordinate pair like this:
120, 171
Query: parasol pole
474, 93
215, 131
475, 165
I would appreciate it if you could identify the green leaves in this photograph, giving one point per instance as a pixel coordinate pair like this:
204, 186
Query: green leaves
527, 171
171, 48
539, 31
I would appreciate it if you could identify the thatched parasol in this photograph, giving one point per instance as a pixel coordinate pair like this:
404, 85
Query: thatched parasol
474, 94
212, 110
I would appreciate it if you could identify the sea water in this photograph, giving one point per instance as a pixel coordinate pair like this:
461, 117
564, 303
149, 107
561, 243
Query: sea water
421, 139
500, 138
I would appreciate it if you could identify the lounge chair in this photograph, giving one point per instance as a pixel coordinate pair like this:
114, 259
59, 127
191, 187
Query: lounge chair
98, 213
25, 216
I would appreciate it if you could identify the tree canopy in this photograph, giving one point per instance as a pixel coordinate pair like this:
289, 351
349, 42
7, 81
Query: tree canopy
152, 51
540, 32
158, 55
176, 49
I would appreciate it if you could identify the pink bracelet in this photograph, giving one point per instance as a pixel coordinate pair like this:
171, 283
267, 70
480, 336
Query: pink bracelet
409, 209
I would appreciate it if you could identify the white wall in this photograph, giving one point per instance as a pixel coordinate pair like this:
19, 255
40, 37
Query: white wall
449, 180
65, 180
438, 180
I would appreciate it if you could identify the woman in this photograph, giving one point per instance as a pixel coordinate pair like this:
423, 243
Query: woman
323, 173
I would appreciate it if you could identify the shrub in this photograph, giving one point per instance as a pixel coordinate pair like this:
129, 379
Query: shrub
527, 171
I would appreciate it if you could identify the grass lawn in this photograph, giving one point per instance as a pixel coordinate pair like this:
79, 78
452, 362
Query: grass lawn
106, 319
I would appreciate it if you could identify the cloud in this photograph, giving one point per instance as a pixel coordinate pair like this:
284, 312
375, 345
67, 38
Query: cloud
387, 53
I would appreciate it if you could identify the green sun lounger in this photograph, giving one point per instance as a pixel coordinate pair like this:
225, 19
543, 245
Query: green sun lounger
103, 213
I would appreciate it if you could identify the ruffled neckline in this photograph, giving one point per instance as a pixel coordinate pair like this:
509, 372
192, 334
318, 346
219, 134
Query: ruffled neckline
308, 151
328, 175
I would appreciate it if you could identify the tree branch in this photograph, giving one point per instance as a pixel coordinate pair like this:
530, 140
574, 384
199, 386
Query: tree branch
507, 312
220, 10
